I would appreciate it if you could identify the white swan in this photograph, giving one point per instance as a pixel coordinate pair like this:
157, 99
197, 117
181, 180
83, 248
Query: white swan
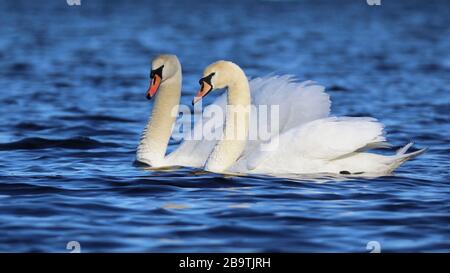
324, 145
165, 86
166, 76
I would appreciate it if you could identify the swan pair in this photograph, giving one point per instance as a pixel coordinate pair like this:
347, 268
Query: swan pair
308, 141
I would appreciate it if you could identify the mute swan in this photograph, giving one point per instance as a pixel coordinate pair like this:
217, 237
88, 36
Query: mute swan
324, 145
311, 103
166, 78
165, 86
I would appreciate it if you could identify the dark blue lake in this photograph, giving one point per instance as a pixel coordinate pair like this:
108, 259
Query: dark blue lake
73, 106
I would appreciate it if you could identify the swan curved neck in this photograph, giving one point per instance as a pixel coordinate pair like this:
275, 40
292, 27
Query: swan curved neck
155, 138
237, 120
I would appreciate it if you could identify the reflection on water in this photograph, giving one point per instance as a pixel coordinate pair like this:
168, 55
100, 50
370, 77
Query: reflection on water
73, 106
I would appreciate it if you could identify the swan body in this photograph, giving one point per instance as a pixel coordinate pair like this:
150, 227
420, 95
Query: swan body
298, 103
334, 145
319, 144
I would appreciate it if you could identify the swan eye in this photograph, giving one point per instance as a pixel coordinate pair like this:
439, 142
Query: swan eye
157, 71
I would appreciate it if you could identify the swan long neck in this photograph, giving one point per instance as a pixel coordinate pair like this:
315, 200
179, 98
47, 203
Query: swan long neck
237, 120
155, 138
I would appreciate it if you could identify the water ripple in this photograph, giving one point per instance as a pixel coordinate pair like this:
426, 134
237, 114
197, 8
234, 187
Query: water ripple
33, 143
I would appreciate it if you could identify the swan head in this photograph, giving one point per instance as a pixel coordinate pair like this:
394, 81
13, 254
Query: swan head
216, 76
164, 67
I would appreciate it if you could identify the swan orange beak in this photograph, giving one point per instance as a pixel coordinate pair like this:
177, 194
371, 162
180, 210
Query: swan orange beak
204, 90
154, 86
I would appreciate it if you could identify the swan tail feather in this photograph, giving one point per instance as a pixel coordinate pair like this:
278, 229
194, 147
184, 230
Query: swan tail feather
401, 156
404, 149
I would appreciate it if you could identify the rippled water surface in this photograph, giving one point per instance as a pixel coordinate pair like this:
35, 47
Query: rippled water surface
73, 105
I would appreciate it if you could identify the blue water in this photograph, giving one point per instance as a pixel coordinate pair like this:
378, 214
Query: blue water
72, 107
